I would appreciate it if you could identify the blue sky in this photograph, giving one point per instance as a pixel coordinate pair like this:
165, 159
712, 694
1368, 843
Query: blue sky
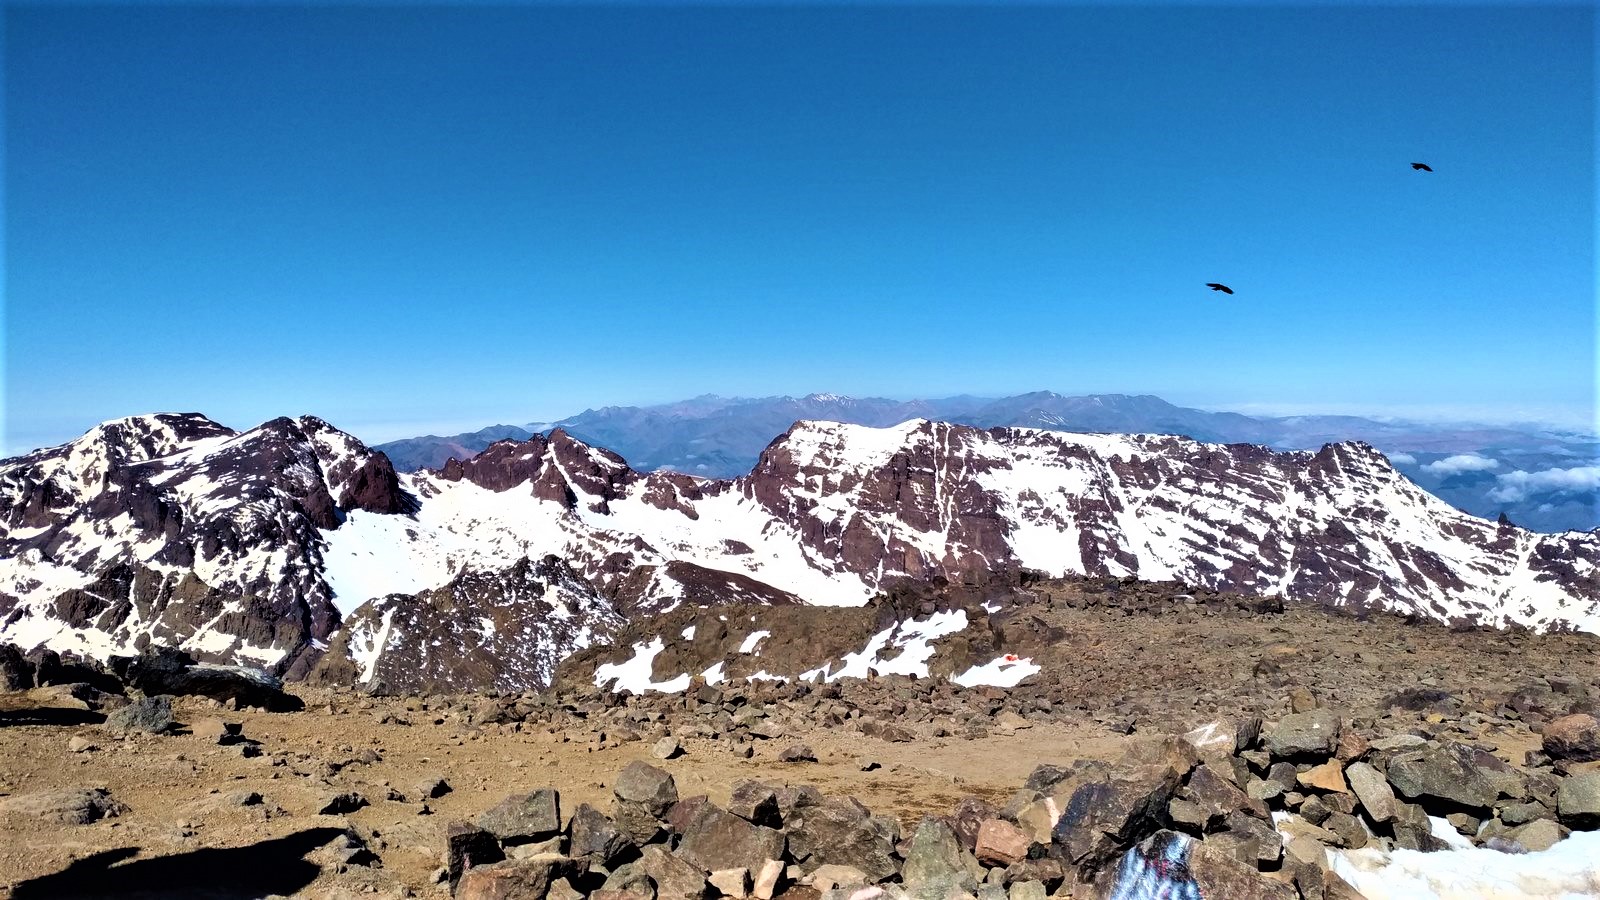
410, 220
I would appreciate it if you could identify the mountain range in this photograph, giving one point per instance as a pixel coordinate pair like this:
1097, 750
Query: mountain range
1541, 478
295, 547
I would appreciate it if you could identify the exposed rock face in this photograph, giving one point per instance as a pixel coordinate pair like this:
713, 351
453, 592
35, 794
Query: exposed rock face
267, 535
175, 530
504, 630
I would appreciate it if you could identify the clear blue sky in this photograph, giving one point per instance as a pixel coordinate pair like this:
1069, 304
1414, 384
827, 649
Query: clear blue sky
407, 220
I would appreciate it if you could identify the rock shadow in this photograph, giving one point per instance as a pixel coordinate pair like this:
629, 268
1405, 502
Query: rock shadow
276, 866
49, 715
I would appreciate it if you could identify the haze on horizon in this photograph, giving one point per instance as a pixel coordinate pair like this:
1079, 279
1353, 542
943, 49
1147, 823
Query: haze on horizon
435, 219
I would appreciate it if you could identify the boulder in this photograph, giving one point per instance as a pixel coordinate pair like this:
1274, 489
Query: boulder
1373, 790
16, 672
934, 866
1312, 733
1328, 778
1249, 840
637, 822
667, 748
1105, 817
149, 715
647, 785
1575, 738
338, 804
674, 878
594, 836
830, 876
840, 831
731, 882
797, 753
969, 816
1432, 774
764, 879
1000, 843
167, 670
466, 846
1215, 796
716, 839
69, 807
756, 803
1224, 736
1578, 801
430, 788
519, 879
524, 818
1538, 835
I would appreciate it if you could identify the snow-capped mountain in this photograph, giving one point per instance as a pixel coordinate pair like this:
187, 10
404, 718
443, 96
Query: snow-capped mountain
256, 545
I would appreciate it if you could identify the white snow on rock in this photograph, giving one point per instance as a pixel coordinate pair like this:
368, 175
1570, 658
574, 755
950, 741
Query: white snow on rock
1002, 671
1570, 870
634, 674
752, 639
913, 639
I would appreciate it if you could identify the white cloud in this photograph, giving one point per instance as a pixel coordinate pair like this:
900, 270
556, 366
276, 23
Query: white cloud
1518, 485
1461, 462
1402, 459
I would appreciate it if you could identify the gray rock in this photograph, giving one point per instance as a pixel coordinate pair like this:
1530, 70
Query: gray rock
1538, 835
840, 831
1440, 773
1578, 801
1312, 733
1575, 738
757, 803
150, 715
667, 748
524, 818
934, 866
797, 753
645, 784
716, 839
1373, 790
1027, 890
1514, 814
674, 878
594, 836
637, 822
1106, 816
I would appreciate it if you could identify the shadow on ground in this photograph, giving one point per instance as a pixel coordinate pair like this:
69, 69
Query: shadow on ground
49, 715
233, 873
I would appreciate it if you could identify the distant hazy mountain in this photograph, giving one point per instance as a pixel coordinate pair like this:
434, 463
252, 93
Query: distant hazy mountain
1541, 479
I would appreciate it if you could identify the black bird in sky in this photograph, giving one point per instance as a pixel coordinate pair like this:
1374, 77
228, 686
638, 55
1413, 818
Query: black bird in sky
1421, 167
1219, 287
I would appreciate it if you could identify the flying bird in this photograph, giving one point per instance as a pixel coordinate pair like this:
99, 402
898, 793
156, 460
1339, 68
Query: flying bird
1219, 287
1421, 167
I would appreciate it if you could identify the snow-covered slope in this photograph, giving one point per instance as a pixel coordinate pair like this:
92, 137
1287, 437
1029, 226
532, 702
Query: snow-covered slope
282, 530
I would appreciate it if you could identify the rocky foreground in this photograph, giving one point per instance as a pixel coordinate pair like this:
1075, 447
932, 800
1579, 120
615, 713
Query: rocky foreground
1213, 749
